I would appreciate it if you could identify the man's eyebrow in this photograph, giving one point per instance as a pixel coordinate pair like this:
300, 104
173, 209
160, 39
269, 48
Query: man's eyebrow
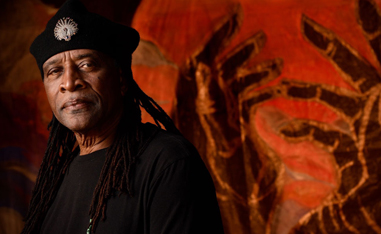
88, 55
50, 63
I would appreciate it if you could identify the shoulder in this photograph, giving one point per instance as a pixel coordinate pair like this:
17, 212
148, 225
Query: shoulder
167, 151
167, 144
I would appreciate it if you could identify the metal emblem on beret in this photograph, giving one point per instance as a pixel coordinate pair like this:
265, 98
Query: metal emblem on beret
65, 29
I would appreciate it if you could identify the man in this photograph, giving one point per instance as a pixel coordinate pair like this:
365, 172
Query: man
103, 170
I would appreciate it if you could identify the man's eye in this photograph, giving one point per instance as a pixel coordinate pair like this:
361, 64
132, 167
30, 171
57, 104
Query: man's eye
87, 65
54, 71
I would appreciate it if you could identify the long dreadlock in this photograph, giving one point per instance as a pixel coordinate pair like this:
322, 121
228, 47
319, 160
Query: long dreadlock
116, 171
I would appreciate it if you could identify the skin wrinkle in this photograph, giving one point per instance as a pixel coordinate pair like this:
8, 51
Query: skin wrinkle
80, 86
91, 143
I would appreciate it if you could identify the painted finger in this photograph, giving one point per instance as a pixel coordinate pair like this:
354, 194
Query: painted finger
347, 102
240, 55
354, 68
222, 36
369, 18
251, 78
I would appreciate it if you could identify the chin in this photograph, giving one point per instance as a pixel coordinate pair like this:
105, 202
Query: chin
78, 127
78, 124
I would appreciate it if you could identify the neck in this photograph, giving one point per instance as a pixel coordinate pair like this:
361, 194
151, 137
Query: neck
96, 140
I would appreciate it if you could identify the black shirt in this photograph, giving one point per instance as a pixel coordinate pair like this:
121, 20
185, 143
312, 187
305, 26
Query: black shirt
172, 193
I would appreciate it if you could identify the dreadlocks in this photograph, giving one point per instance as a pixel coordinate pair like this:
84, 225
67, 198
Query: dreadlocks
116, 171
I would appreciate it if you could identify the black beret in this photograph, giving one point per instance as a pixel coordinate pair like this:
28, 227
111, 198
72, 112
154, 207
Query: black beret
73, 27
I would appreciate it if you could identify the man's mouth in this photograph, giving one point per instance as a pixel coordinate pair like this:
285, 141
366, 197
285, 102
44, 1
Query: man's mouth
75, 104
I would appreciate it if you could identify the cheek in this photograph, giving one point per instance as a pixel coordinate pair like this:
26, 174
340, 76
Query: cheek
109, 88
51, 96
112, 96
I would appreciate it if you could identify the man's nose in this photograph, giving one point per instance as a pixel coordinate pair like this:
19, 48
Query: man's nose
72, 80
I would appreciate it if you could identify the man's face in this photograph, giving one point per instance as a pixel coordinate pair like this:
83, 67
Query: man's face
83, 89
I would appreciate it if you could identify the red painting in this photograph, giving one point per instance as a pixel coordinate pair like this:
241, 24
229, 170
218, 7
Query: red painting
281, 98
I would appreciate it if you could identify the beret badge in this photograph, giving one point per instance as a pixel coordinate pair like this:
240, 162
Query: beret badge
65, 29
